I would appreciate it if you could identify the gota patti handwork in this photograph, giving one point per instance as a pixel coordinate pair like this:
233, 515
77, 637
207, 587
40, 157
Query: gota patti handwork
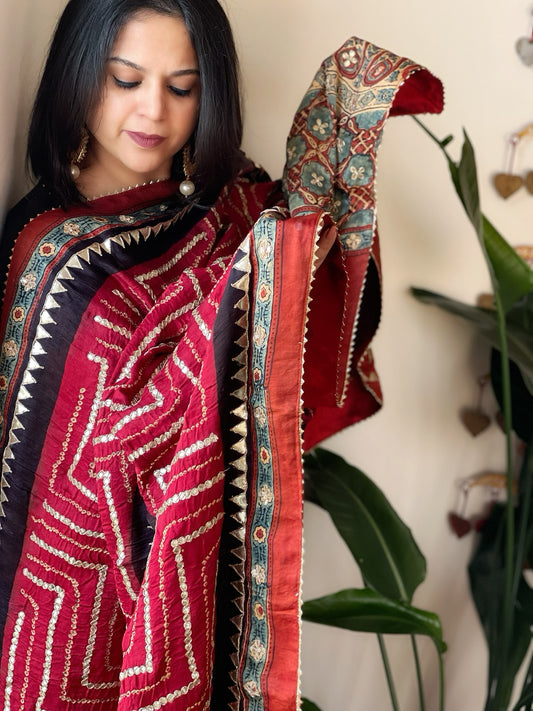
158, 366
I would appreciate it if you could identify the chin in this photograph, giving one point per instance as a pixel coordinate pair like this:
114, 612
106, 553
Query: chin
150, 170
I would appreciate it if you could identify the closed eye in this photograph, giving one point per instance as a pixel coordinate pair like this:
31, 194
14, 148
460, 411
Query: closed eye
179, 92
133, 84
125, 84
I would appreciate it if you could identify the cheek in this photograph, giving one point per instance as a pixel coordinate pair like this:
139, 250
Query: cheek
183, 125
110, 113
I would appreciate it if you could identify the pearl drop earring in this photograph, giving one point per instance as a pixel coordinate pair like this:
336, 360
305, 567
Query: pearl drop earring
187, 187
78, 155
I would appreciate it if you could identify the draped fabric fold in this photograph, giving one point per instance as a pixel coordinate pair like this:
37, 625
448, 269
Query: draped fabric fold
162, 368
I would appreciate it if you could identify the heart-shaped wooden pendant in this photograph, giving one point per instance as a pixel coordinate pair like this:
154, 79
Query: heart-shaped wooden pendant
459, 525
528, 182
507, 184
524, 47
475, 421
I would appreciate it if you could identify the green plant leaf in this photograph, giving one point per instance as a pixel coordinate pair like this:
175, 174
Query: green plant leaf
309, 706
510, 275
487, 581
467, 184
381, 544
513, 276
520, 315
484, 319
366, 610
521, 398
520, 341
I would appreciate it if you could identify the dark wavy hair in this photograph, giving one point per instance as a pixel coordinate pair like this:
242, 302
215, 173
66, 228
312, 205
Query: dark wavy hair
73, 79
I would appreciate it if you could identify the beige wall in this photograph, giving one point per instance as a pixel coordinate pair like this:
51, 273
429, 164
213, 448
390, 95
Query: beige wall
25, 29
415, 448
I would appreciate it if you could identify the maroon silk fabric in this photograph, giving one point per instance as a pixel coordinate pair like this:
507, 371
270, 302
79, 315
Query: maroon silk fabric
112, 605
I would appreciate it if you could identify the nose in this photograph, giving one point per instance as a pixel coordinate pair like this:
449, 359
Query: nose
152, 101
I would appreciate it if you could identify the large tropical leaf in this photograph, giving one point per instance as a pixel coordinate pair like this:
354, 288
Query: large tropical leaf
308, 705
381, 544
514, 278
507, 649
521, 398
465, 182
511, 276
520, 315
365, 610
519, 340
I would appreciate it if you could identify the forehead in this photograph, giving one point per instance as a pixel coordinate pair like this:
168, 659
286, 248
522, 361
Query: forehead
149, 37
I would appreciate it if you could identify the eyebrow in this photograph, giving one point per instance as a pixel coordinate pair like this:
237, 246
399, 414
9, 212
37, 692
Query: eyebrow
127, 63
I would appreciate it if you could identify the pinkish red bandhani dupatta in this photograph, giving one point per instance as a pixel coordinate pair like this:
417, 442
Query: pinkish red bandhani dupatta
162, 368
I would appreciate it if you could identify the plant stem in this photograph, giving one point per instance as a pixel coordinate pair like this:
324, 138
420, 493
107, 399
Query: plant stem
441, 679
426, 130
388, 673
509, 599
441, 144
418, 674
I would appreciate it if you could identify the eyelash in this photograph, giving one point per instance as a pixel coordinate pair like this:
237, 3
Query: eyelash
133, 84
179, 92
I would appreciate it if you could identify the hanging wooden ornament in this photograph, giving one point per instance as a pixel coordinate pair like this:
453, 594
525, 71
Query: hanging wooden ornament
494, 488
474, 418
508, 183
528, 181
524, 49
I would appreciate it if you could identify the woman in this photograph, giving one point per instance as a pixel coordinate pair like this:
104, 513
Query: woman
152, 360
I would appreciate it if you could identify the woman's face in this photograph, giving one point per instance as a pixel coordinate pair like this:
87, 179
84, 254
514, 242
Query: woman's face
149, 106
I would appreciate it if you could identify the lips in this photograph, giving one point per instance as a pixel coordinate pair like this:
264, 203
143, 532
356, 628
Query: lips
145, 140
